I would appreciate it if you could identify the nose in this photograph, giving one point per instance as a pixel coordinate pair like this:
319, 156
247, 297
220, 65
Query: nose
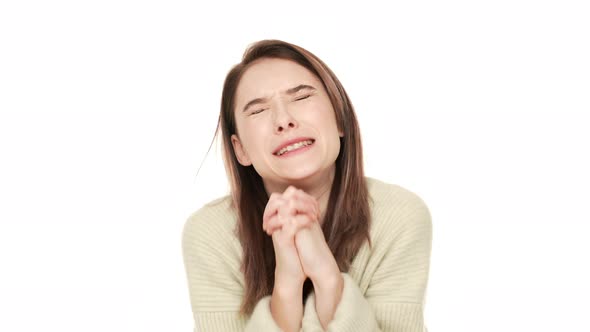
281, 128
283, 119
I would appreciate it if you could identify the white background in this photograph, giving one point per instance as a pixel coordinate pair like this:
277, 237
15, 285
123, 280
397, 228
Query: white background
108, 108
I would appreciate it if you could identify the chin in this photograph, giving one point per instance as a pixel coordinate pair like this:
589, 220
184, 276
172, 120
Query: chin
299, 175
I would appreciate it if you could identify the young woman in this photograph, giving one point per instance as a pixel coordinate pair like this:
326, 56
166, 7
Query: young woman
305, 241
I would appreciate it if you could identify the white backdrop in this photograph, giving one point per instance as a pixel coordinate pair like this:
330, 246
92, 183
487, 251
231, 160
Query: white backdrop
107, 110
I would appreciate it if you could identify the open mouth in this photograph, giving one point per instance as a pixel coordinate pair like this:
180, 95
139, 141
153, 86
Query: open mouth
295, 148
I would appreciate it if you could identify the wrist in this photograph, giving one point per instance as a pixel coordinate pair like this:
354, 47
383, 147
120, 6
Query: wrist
328, 283
330, 276
287, 288
328, 294
286, 307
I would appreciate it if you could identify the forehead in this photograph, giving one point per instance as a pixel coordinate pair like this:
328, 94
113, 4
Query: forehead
269, 76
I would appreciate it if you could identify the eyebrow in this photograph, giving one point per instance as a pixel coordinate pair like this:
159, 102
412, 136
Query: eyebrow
290, 91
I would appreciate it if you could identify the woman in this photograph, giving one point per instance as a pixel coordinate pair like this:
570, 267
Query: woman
305, 241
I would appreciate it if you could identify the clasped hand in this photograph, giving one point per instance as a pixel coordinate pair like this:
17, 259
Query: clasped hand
292, 219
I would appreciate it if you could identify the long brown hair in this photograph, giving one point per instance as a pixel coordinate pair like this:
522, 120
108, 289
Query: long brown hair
347, 218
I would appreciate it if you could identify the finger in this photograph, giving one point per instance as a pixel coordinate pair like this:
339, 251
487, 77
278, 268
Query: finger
289, 229
288, 195
289, 192
295, 206
283, 236
272, 203
272, 207
273, 225
310, 200
310, 210
277, 222
302, 221
299, 222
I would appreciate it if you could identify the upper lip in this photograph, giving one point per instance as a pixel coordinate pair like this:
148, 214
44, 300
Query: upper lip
292, 141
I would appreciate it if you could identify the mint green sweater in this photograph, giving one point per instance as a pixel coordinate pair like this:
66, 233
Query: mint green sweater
384, 289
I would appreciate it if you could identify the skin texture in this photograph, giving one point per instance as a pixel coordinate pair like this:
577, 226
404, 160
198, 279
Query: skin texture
298, 185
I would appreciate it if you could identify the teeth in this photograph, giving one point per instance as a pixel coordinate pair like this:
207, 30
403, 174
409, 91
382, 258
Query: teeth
294, 146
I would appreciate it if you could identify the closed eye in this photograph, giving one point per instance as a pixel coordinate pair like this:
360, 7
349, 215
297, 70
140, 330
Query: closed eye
257, 111
304, 97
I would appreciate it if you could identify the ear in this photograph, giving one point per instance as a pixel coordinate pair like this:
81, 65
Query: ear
240, 152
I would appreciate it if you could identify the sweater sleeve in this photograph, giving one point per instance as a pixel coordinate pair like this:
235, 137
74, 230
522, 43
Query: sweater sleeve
395, 295
214, 284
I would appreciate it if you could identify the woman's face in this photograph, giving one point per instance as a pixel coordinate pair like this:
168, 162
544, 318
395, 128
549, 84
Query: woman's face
278, 101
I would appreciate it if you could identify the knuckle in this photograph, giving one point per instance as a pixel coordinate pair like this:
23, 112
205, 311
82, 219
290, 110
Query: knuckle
290, 190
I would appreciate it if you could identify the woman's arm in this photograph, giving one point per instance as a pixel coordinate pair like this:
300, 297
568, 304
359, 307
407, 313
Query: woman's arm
215, 281
328, 292
286, 302
286, 306
394, 297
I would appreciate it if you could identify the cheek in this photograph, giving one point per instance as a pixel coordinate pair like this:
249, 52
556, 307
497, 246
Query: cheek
318, 111
328, 119
253, 140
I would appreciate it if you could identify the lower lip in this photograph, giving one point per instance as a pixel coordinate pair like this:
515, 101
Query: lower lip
297, 151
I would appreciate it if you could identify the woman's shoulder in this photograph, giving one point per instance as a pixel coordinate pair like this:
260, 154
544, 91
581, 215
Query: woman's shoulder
211, 253
387, 193
214, 217
393, 205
